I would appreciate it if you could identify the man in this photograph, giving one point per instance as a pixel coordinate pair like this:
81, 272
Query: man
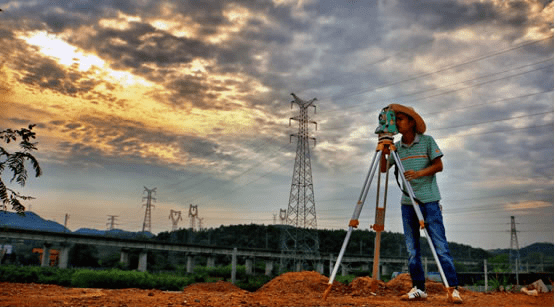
421, 159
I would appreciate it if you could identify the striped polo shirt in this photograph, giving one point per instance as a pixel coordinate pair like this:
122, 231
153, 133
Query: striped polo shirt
417, 156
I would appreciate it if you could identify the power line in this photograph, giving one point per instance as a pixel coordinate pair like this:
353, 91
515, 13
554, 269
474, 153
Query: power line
415, 77
441, 93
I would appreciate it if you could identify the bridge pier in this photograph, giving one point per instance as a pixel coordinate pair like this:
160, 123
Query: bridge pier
385, 270
365, 267
320, 267
269, 267
234, 266
190, 263
248, 266
211, 261
45, 261
142, 261
331, 264
124, 257
344, 270
64, 256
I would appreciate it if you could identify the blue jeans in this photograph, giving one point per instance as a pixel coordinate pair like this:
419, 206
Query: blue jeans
434, 224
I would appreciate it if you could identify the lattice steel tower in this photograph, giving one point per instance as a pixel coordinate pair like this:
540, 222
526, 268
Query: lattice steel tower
193, 214
149, 206
175, 216
301, 238
514, 253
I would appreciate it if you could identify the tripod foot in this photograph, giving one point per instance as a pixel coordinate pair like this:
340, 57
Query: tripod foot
328, 290
453, 296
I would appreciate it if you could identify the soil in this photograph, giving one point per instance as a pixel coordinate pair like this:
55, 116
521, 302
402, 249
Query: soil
291, 289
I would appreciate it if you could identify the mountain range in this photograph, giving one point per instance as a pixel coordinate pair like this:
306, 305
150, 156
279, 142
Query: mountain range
31, 221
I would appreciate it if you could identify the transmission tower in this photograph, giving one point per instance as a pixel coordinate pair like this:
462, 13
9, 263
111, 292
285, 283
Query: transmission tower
301, 236
175, 216
111, 222
149, 206
514, 252
193, 214
282, 216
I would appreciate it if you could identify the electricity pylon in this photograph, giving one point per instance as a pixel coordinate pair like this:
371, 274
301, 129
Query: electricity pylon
193, 214
111, 222
175, 216
149, 206
282, 216
301, 235
514, 253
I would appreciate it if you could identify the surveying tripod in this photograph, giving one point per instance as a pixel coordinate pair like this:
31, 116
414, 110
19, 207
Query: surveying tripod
384, 150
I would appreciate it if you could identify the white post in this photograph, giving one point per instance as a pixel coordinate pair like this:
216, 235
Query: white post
234, 266
486, 274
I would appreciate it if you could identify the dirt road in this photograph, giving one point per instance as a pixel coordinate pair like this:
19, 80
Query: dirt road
290, 289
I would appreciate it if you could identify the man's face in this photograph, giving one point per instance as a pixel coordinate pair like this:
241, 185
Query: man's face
404, 123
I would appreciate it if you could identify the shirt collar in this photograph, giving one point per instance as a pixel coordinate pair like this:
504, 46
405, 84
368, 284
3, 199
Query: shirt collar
416, 140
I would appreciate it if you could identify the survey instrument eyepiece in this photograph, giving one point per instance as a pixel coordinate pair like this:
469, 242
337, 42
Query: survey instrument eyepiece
386, 121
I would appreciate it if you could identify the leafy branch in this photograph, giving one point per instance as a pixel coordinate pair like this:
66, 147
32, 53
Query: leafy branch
15, 163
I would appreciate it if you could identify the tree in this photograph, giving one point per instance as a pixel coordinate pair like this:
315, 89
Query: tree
15, 162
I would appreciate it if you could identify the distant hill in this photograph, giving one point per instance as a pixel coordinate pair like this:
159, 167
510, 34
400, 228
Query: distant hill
114, 233
29, 221
32, 221
544, 248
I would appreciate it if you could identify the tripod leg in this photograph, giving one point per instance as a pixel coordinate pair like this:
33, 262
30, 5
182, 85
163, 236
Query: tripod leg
379, 224
420, 217
353, 223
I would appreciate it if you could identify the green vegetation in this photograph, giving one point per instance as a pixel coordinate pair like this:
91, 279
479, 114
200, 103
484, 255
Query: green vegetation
36, 274
15, 163
119, 279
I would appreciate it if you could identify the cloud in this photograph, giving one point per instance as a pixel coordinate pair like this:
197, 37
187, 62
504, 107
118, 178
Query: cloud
528, 205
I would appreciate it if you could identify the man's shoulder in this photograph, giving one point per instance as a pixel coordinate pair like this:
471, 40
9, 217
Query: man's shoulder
426, 138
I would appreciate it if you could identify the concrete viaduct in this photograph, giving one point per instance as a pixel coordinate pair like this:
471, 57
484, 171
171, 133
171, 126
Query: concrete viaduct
65, 240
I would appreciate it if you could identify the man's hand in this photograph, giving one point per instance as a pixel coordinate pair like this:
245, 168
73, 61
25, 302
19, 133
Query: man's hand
411, 175
435, 167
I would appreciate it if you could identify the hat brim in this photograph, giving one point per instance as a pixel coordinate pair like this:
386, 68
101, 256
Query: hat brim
420, 124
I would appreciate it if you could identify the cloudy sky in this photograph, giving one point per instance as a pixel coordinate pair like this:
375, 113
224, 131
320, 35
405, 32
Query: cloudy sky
193, 98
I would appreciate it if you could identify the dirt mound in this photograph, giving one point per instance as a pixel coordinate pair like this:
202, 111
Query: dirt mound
220, 286
399, 285
362, 286
296, 282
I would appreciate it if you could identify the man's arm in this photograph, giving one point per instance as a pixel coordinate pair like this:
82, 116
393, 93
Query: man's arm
435, 167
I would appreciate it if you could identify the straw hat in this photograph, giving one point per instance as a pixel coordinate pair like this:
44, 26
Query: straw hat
420, 124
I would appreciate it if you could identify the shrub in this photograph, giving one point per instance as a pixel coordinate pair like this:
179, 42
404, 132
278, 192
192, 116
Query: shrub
12, 273
253, 283
37, 274
118, 279
345, 279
